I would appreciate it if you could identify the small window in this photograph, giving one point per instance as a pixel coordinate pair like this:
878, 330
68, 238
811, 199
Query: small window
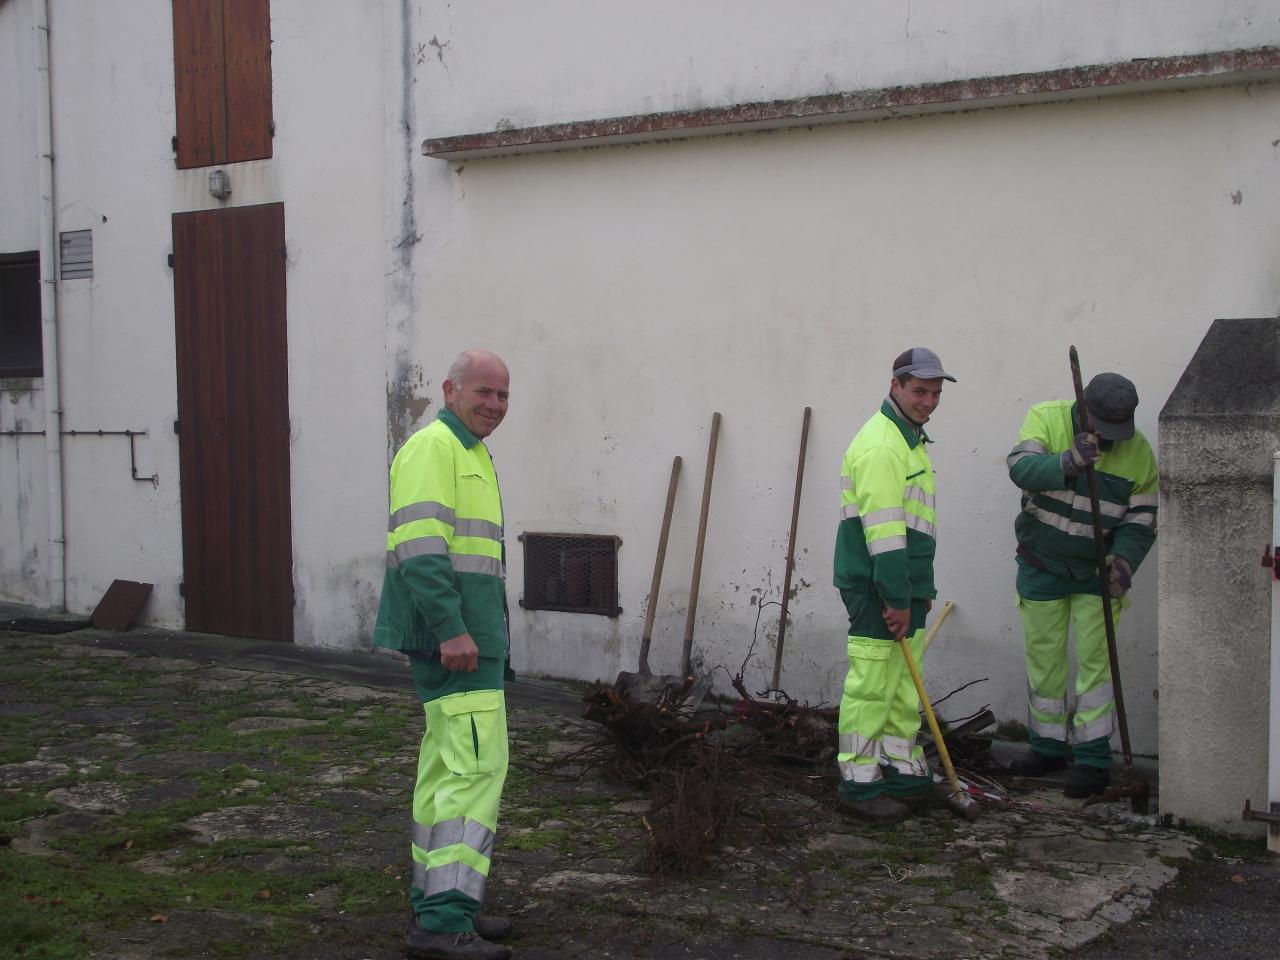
76, 255
21, 349
574, 573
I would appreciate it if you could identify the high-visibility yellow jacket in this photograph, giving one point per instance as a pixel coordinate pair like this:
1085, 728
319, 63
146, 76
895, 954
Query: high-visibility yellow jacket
1056, 523
445, 562
887, 536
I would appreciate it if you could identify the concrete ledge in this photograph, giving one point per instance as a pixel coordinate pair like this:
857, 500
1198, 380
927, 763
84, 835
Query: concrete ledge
1130, 76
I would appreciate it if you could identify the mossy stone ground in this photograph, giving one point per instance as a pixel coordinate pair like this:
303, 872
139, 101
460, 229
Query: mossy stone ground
164, 806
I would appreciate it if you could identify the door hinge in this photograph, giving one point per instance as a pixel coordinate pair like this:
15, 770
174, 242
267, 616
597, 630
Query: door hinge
174, 143
271, 128
175, 427
182, 589
169, 259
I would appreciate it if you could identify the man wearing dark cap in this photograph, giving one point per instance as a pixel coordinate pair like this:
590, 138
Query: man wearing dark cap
1058, 585
884, 571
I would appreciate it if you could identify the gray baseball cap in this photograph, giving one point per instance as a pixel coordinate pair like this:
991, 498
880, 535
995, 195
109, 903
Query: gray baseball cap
921, 363
1112, 400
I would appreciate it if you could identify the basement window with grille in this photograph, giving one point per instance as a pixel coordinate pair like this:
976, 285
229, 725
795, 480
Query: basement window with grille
573, 573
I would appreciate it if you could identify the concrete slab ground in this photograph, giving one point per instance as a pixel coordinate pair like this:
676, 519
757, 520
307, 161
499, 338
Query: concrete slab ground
170, 794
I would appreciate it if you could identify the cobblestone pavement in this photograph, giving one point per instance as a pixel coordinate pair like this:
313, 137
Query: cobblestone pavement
176, 795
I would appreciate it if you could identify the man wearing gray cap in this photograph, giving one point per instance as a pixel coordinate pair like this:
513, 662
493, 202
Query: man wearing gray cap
1058, 584
884, 571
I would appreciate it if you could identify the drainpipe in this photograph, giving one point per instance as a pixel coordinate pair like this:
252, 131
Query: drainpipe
1273, 757
49, 311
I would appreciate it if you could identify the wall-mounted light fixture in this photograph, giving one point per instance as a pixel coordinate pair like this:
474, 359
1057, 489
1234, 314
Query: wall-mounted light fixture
219, 185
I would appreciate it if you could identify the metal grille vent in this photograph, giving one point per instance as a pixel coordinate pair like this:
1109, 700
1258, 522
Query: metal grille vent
77, 254
575, 573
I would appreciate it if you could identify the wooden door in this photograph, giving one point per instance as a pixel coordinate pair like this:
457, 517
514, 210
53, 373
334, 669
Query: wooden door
233, 421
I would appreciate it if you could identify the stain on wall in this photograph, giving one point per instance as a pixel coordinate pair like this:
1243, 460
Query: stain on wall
353, 579
405, 400
23, 573
407, 403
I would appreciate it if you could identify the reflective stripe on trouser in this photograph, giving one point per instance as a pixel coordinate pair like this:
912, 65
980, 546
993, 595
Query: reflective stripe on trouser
462, 766
1044, 629
879, 720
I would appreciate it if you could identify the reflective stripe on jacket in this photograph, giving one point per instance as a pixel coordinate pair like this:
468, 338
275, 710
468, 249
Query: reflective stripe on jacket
445, 570
1056, 523
886, 540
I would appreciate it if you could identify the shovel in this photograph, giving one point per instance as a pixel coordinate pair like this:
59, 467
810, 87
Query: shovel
1134, 788
643, 684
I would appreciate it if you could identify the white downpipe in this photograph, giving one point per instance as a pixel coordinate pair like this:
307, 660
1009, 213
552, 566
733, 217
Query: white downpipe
49, 311
1273, 753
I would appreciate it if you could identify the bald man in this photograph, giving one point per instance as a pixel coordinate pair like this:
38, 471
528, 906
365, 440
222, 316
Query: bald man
443, 604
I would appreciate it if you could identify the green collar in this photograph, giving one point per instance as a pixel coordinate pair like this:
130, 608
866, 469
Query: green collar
908, 429
450, 419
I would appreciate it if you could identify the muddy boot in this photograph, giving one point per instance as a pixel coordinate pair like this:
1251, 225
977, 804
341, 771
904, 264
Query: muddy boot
425, 945
491, 926
1037, 765
882, 808
1084, 781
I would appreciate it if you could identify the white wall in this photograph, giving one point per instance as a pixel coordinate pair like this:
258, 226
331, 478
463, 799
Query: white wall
501, 61
635, 290
114, 115
19, 218
23, 517
329, 154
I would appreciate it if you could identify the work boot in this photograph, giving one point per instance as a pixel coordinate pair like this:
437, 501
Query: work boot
491, 926
426, 945
1037, 764
1085, 781
882, 808
936, 796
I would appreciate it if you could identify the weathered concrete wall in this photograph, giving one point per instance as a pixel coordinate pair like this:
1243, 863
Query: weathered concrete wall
19, 218
1218, 433
635, 290
492, 64
114, 115
24, 521
23, 517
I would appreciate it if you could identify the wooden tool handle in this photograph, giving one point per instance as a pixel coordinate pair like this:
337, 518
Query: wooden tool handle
649, 613
702, 537
791, 548
1104, 584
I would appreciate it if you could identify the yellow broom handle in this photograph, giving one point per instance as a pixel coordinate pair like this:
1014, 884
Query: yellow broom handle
928, 708
937, 622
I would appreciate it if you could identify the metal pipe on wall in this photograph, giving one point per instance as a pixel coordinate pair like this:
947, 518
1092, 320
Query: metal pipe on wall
49, 310
1273, 753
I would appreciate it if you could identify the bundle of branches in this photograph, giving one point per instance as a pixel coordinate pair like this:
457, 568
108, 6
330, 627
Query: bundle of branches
789, 731
681, 762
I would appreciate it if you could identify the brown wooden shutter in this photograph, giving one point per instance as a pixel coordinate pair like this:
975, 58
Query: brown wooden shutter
247, 32
199, 82
222, 80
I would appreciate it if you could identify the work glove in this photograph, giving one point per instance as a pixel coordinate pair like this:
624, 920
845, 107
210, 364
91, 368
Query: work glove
1082, 453
1119, 574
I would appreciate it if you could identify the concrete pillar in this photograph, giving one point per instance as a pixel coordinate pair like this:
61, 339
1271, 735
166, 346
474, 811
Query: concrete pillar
1218, 433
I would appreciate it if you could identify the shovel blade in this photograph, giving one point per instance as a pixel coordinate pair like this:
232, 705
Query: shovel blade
645, 687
